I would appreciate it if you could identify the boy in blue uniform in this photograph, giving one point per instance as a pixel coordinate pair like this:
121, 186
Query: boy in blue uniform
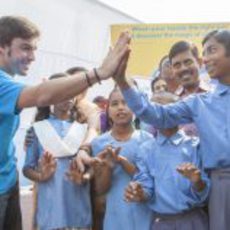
210, 112
169, 178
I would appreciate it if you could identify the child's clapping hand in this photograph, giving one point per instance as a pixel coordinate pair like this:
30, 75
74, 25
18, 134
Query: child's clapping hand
191, 172
47, 166
134, 192
76, 175
109, 156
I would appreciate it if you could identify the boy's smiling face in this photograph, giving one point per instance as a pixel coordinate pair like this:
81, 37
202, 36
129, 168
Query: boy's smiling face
215, 59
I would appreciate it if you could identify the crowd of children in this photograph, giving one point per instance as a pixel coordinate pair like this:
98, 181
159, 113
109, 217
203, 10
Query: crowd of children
92, 168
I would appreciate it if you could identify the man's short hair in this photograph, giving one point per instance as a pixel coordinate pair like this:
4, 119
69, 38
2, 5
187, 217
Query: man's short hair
222, 37
16, 27
183, 46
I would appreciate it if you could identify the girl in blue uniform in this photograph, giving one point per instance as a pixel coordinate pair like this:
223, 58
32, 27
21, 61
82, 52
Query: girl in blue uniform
61, 204
120, 157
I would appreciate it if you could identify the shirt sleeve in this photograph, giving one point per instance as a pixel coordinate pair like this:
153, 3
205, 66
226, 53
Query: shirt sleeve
198, 197
202, 196
144, 178
161, 116
9, 94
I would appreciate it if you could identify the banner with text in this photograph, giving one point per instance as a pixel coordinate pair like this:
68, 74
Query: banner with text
150, 42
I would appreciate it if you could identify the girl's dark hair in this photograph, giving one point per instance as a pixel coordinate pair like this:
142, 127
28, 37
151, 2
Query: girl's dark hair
109, 122
44, 112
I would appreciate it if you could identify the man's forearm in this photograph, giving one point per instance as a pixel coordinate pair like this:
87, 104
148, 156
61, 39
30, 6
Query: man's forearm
57, 90
123, 84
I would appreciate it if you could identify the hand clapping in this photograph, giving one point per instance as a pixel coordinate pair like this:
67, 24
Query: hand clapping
47, 166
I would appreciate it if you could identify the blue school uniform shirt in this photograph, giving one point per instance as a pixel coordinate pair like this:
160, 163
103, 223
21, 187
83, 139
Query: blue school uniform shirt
120, 214
209, 111
167, 190
9, 122
60, 202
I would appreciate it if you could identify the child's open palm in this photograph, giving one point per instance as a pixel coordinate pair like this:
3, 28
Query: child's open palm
47, 166
190, 171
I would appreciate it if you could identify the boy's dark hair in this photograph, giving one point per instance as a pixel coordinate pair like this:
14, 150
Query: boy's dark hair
156, 79
76, 69
44, 112
16, 27
222, 37
161, 62
182, 46
109, 122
